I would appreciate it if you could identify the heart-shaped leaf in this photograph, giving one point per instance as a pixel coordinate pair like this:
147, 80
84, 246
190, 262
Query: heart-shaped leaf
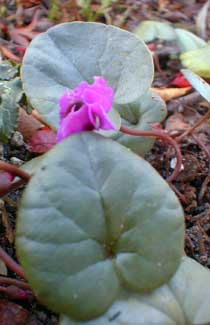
184, 300
188, 41
94, 218
32, 165
73, 52
198, 61
140, 115
198, 83
149, 30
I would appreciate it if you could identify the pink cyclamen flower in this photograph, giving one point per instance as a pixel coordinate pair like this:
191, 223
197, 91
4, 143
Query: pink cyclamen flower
85, 108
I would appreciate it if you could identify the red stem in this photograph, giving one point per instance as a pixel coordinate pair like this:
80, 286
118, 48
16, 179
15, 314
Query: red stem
14, 282
15, 267
161, 135
9, 55
202, 145
14, 170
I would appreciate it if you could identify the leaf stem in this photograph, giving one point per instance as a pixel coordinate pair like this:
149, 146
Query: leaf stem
14, 170
163, 136
15, 267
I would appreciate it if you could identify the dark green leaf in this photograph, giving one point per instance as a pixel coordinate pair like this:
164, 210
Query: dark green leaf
93, 219
149, 109
184, 300
73, 52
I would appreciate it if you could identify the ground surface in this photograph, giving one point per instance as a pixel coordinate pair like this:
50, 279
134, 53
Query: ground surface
193, 182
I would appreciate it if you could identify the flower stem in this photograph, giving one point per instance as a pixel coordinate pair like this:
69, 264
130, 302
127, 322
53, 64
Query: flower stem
15, 171
163, 136
15, 267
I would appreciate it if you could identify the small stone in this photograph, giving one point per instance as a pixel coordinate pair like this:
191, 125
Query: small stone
17, 139
173, 164
16, 161
1, 151
1, 204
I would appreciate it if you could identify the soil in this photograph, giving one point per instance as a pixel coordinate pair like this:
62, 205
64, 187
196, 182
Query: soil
192, 183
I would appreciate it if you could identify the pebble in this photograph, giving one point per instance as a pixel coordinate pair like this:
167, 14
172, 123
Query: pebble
16, 161
1, 151
1, 204
17, 139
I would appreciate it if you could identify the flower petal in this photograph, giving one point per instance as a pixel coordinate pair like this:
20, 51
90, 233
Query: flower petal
85, 108
99, 118
64, 101
74, 122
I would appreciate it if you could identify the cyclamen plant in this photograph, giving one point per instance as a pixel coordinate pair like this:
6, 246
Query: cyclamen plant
99, 233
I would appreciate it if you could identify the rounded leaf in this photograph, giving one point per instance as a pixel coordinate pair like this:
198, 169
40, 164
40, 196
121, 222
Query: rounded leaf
140, 115
197, 61
184, 300
187, 41
149, 30
70, 53
94, 218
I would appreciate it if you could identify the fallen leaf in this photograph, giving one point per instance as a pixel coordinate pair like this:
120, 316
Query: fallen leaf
175, 123
23, 35
42, 141
27, 124
29, 3
12, 314
180, 81
170, 93
162, 5
201, 20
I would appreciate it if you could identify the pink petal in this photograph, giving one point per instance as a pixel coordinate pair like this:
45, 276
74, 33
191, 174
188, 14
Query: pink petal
73, 123
96, 112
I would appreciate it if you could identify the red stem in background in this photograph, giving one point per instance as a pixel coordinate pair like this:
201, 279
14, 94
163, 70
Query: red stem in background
16, 293
161, 135
14, 282
202, 145
12, 265
9, 55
